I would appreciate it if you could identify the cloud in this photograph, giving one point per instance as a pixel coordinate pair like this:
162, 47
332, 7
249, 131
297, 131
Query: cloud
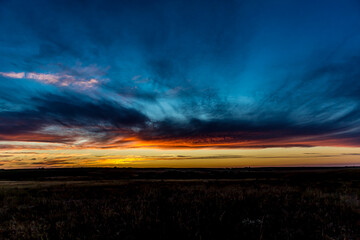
61, 80
30, 146
18, 75
74, 118
17, 152
68, 118
54, 162
45, 78
169, 85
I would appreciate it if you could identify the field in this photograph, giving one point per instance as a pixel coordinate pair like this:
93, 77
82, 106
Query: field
298, 203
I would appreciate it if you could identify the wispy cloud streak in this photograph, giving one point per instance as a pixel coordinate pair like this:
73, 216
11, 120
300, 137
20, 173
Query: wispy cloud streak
61, 80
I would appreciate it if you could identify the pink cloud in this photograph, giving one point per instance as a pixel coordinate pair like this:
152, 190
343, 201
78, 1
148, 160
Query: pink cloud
87, 84
61, 80
13, 75
44, 78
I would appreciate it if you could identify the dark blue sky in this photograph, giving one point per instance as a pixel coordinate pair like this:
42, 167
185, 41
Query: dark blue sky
180, 73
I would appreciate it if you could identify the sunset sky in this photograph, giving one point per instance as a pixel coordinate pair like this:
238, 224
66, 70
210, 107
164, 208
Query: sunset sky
177, 83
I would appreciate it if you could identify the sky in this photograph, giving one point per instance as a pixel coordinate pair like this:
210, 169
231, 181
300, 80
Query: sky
201, 83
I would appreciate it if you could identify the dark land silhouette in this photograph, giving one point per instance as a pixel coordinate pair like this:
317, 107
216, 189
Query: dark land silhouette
132, 203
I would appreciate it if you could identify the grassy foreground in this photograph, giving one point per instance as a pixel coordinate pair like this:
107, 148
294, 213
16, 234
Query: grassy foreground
297, 207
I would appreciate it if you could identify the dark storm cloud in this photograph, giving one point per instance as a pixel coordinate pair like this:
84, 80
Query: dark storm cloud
81, 110
319, 105
232, 131
105, 119
69, 111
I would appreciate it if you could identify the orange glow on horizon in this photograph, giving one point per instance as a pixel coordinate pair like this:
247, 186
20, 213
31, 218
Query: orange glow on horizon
151, 157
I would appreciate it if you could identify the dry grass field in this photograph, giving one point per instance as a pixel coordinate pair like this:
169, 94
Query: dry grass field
266, 204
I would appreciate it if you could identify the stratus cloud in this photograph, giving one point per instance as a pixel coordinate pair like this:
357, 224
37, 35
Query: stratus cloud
58, 79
